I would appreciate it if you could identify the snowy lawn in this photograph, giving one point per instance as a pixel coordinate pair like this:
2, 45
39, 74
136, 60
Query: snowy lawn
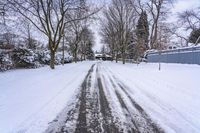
31, 98
170, 96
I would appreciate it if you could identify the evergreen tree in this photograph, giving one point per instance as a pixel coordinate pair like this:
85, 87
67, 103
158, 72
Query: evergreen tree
194, 35
142, 33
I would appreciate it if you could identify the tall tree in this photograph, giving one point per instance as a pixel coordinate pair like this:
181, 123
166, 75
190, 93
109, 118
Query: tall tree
120, 15
50, 17
86, 44
158, 11
155, 10
109, 35
142, 33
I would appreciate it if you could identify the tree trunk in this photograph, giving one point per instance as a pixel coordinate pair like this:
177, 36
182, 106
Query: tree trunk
113, 55
123, 61
84, 57
52, 62
116, 58
123, 58
63, 52
81, 57
75, 57
75, 52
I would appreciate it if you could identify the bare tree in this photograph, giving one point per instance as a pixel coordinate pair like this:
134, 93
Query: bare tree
76, 28
174, 30
3, 11
190, 19
87, 42
158, 11
76, 38
9, 38
108, 32
155, 10
120, 16
49, 17
26, 30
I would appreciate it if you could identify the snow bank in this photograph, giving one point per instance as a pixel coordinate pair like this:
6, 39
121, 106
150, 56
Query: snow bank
30, 99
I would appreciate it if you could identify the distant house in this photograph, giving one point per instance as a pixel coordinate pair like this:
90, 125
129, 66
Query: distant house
99, 56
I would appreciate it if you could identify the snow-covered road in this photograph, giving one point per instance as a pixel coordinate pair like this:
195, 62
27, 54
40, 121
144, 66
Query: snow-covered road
101, 97
104, 105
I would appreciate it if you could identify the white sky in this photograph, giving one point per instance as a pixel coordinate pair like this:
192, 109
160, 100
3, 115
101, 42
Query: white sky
179, 6
182, 5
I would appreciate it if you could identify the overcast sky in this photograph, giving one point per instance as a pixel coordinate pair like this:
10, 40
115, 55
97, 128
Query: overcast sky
178, 6
182, 5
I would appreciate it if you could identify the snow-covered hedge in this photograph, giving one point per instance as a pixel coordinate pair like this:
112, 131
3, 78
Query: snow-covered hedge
5, 62
59, 57
25, 58
44, 56
22, 57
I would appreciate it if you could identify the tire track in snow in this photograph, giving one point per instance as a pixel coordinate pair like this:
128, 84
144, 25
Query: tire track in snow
141, 124
108, 122
82, 125
151, 125
76, 116
92, 111
133, 128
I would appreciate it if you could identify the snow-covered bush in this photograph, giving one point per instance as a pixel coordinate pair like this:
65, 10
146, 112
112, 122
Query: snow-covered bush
25, 58
68, 58
44, 56
22, 57
5, 62
59, 58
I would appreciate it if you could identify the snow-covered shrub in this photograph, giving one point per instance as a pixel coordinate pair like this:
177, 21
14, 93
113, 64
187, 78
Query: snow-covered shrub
25, 58
68, 58
5, 62
59, 58
22, 57
44, 56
